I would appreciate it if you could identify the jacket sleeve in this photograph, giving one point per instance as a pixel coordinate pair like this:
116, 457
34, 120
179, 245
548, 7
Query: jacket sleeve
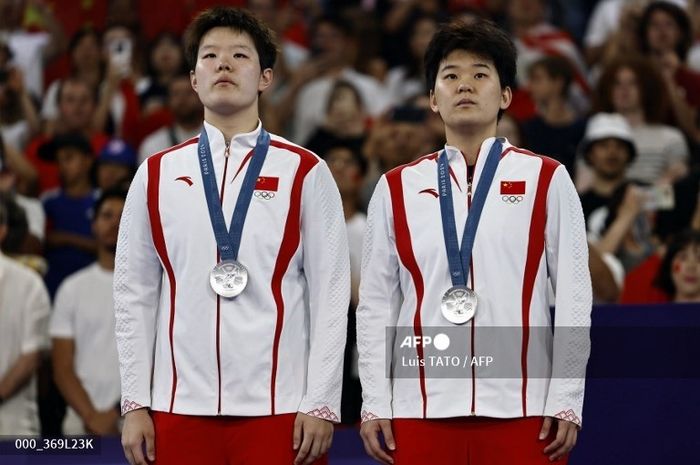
379, 304
327, 270
567, 261
137, 282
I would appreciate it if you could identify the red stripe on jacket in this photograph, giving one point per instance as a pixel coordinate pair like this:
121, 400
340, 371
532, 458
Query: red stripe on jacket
408, 259
153, 199
290, 242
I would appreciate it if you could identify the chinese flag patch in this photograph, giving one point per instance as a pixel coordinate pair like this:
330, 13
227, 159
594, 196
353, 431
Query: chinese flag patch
512, 187
265, 183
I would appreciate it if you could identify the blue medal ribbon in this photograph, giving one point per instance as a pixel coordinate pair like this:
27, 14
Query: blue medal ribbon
457, 258
229, 241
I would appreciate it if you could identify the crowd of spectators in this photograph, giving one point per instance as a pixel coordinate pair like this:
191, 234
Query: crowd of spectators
89, 90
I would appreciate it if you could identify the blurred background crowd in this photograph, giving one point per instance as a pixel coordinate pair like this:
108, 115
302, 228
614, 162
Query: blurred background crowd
89, 89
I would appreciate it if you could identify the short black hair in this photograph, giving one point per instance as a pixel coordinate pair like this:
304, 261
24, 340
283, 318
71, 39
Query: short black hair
109, 194
685, 41
556, 67
664, 280
483, 38
238, 20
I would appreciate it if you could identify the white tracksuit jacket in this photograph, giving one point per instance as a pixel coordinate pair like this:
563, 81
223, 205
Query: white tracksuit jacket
277, 347
522, 240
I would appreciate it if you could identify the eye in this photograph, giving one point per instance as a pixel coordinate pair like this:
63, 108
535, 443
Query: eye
239, 55
450, 77
480, 75
209, 55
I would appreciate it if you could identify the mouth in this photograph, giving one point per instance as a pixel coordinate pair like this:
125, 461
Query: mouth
690, 279
465, 103
223, 81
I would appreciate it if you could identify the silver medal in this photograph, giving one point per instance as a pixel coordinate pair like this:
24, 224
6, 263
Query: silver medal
228, 278
458, 304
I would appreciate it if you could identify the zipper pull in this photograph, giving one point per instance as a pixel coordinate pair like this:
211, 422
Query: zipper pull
227, 151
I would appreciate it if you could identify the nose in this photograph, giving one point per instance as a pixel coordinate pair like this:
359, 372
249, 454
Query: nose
224, 65
464, 86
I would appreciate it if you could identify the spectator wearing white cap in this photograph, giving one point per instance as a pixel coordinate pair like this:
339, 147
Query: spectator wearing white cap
608, 149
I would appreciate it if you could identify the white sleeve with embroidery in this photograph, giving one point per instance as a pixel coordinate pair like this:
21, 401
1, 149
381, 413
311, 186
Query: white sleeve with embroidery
327, 271
567, 260
137, 281
379, 304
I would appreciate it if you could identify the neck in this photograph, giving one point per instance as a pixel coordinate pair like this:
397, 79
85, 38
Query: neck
230, 125
469, 141
105, 258
349, 206
687, 298
634, 117
78, 189
605, 187
556, 111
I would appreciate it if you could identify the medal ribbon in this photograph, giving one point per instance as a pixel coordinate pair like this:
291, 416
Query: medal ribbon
229, 241
459, 258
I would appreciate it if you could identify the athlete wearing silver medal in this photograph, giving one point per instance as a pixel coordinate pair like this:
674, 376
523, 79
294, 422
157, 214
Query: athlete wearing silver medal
418, 279
232, 277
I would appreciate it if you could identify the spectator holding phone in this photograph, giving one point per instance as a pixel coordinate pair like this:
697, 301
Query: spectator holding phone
118, 111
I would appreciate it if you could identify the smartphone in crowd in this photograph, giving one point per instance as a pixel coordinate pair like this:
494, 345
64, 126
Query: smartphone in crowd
120, 51
659, 197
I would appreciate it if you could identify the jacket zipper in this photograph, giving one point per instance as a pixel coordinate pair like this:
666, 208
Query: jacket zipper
470, 178
227, 152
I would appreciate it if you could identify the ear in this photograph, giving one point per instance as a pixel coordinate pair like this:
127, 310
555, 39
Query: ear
506, 98
265, 79
433, 102
193, 80
3, 232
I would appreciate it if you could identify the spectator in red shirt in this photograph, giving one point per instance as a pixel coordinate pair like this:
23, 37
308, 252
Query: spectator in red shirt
76, 108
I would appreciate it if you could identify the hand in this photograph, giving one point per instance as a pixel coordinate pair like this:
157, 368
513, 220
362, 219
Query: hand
312, 437
369, 431
633, 201
565, 440
102, 423
138, 426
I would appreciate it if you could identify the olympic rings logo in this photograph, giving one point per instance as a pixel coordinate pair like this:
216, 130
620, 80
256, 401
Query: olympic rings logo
512, 198
265, 195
